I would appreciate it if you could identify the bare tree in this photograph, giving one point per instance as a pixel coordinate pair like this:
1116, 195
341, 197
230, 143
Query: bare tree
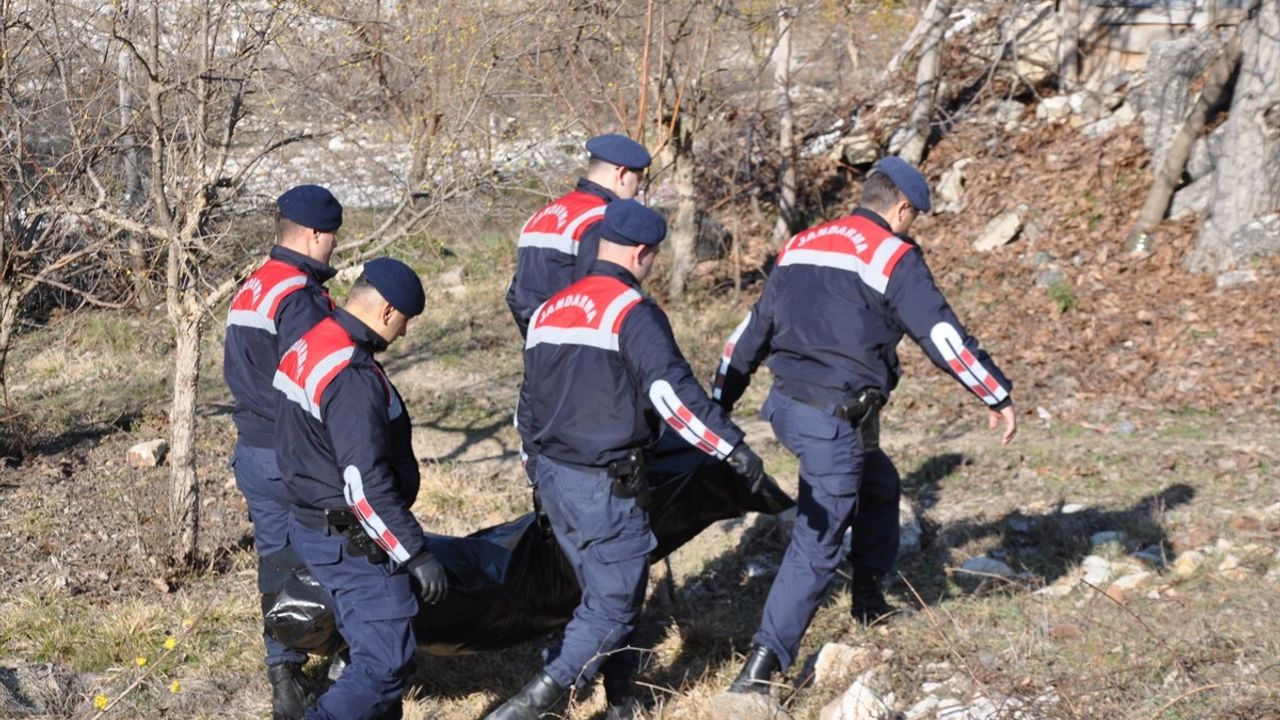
1068, 44
919, 124
788, 217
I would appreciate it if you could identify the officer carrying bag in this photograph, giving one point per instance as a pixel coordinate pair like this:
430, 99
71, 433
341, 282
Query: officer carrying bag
511, 582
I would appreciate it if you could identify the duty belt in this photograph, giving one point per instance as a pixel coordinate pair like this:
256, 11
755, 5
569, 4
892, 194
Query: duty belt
862, 411
341, 521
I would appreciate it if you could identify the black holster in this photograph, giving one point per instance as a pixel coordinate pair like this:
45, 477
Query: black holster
863, 412
359, 544
628, 479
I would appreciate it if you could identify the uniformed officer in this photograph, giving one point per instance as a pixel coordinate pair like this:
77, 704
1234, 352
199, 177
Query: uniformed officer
272, 308
602, 370
558, 244
343, 438
838, 301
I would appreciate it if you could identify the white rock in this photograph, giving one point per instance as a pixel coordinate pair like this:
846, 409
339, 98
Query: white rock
922, 708
987, 566
1054, 108
746, 706
837, 659
1273, 509
982, 709
951, 709
147, 454
337, 142
860, 702
1001, 230
1097, 570
1230, 562
1187, 563
1106, 536
453, 277
1231, 278
1130, 582
932, 687
910, 528
1072, 508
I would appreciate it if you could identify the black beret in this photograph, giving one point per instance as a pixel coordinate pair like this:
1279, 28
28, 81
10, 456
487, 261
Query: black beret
907, 178
311, 206
619, 150
627, 222
397, 283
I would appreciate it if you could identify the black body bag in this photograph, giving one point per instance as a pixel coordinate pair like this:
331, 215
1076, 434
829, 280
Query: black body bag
511, 582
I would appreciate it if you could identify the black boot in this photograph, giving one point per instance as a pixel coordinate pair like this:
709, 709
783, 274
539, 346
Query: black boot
538, 697
288, 699
619, 693
868, 606
760, 666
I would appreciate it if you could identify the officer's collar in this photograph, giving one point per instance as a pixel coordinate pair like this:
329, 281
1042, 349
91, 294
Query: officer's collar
595, 188
361, 333
616, 271
322, 272
874, 217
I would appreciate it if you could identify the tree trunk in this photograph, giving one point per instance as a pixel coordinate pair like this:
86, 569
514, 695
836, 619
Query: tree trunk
1068, 45
129, 159
787, 221
1175, 158
184, 496
918, 126
1248, 183
684, 226
10, 299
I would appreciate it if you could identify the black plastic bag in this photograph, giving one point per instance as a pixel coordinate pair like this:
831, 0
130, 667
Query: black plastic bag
511, 582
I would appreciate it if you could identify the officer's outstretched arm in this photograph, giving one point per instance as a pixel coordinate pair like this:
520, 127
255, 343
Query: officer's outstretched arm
925, 315
354, 409
746, 348
649, 350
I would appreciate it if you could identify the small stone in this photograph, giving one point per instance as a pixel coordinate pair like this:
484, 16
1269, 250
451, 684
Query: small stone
925, 707
746, 706
1072, 508
983, 565
860, 702
1152, 555
837, 659
1097, 570
1121, 589
911, 530
1230, 562
1048, 278
147, 454
1000, 230
1232, 278
454, 277
1125, 427
1040, 258
932, 687
1054, 108
1106, 536
1008, 111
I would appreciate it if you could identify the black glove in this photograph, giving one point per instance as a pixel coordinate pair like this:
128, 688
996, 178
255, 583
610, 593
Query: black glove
428, 574
747, 464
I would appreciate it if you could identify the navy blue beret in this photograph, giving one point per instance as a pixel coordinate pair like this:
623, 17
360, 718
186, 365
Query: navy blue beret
619, 150
397, 283
311, 206
907, 178
627, 222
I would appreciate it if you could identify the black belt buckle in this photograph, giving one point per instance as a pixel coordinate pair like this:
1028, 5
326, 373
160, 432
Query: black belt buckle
628, 478
359, 544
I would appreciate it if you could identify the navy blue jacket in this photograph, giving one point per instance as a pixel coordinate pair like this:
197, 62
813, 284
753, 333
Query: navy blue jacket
273, 307
602, 371
343, 436
557, 246
837, 303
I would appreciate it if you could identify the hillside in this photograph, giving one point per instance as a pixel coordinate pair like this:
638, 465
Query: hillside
1118, 560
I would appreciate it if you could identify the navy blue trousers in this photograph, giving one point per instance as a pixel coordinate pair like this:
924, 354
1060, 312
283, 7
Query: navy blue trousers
374, 607
607, 541
840, 486
258, 477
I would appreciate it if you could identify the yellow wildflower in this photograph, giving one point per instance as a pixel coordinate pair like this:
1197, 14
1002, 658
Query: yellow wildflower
140, 661
188, 623
170, 643
100, 702
175, 686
